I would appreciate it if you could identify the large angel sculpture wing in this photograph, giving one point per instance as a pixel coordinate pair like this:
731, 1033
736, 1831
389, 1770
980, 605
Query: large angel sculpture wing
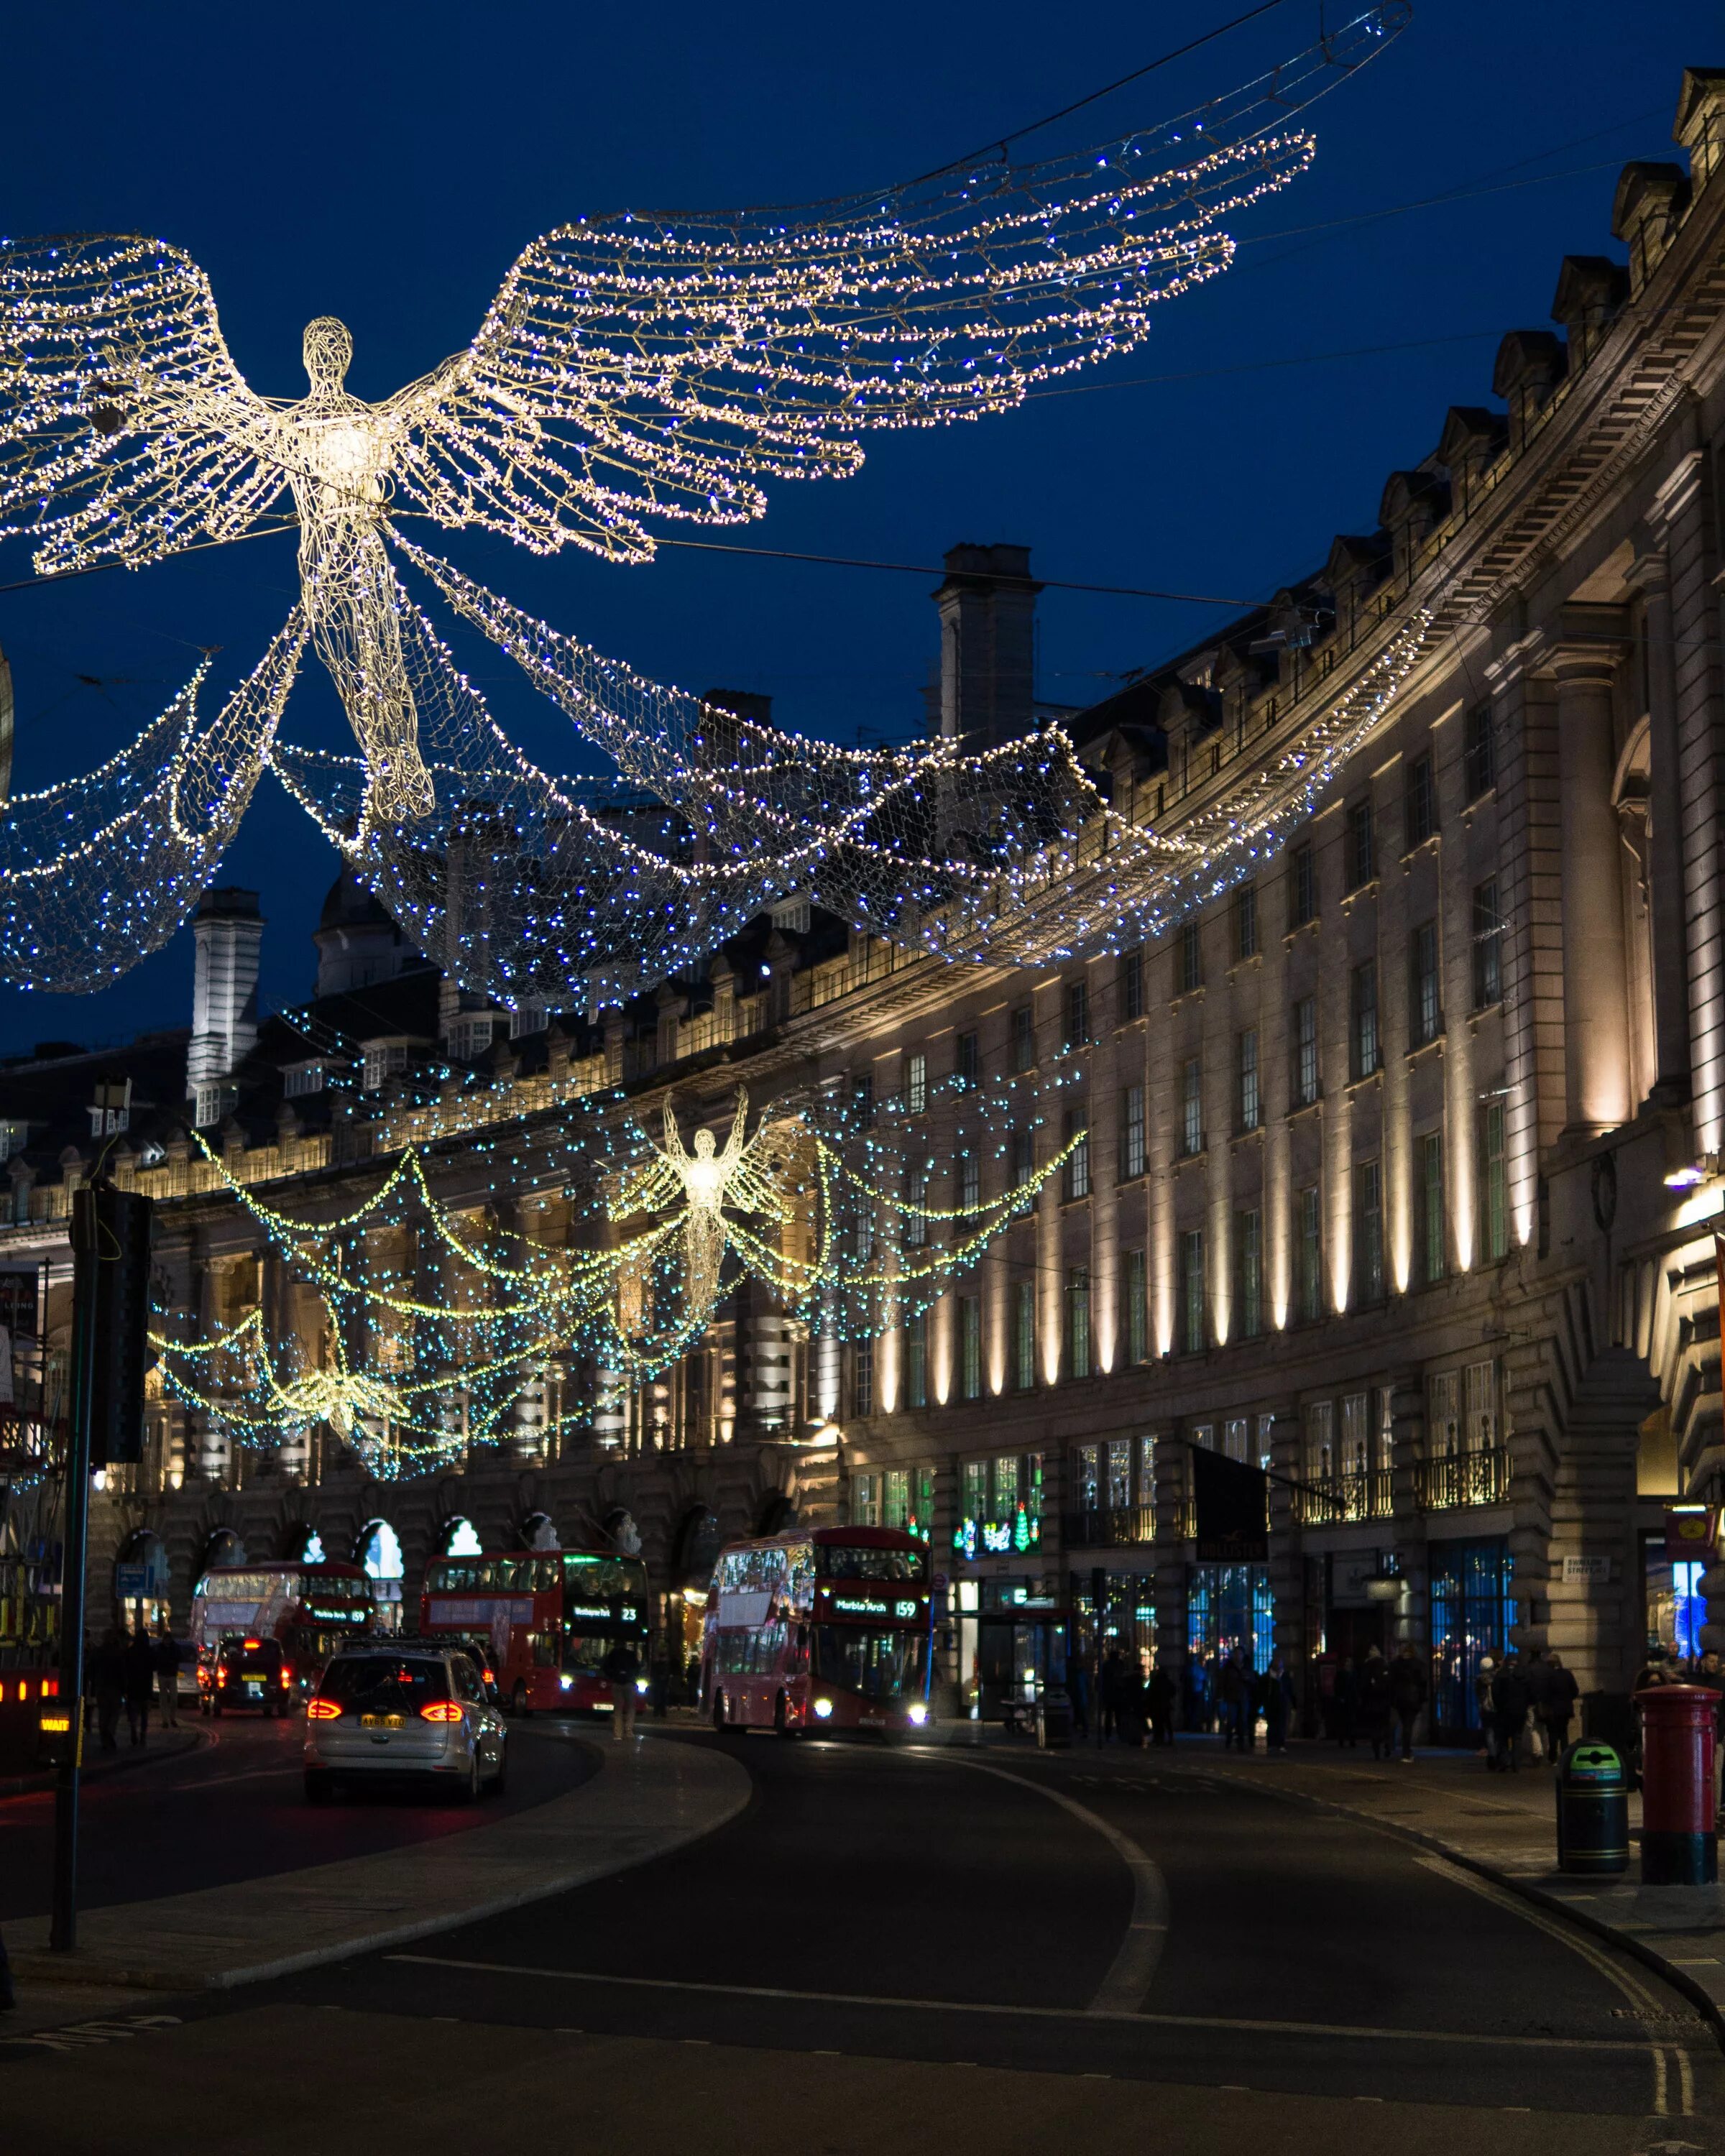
639, 366
126, 432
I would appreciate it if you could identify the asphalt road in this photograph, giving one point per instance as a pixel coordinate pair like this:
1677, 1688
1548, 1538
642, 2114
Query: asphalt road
235, 1808
917, 1949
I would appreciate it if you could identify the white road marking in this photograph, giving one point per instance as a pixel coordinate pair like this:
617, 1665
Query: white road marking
1132, 1970
1644, 2002
1328, 2028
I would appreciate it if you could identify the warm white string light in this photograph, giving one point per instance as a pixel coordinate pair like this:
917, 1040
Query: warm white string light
631, 368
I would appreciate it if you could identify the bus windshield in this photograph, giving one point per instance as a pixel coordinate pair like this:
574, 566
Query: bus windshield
878, 1665
855, 1561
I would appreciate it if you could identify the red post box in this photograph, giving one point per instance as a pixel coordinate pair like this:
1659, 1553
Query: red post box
1679, 1847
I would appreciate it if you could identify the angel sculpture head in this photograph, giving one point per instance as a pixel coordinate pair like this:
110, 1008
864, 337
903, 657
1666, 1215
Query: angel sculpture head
328, 350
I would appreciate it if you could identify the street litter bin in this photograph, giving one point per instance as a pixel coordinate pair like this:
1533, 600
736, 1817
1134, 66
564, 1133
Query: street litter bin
1592, 1810
1679, 1847
1054, 1718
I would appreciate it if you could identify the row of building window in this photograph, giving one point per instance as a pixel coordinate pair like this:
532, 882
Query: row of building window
1347, 1449
1194, 1326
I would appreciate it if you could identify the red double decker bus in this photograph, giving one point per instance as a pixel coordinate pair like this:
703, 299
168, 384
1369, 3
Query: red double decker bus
822, 1628
311, 1609
546, 1619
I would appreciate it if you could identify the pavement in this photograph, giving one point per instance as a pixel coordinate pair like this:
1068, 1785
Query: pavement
644, 1803
98, 1765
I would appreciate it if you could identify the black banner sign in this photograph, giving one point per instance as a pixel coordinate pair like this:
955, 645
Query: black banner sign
1230, 1501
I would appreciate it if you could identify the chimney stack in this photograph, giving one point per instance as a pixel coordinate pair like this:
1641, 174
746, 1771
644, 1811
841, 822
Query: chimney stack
988, 610
228, 932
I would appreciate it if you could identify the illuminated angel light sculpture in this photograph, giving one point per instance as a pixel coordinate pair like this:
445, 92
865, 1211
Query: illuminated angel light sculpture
632, 368
745, 1176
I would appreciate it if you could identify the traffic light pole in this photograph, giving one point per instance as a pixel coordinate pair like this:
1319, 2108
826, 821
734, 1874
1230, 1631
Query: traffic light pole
63, 1934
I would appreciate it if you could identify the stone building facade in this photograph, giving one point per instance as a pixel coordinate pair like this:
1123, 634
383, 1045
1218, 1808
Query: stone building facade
1401, 1159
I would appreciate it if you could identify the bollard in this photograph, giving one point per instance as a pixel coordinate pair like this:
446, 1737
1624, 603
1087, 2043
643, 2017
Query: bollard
1054, 1719
1679, 1847
1592, 1810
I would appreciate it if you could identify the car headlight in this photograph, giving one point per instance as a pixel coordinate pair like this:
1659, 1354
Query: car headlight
823, 1710
566, 1682
918, 1713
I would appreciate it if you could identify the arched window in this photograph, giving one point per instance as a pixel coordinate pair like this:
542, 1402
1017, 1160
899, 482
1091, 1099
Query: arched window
303, 1545
461, 1539
378, 1550
140, 1586
539, 1533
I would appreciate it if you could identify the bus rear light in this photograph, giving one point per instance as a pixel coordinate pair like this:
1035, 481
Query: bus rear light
823, 1710
50, 1688
440, 1710
321, 1710
287, 1678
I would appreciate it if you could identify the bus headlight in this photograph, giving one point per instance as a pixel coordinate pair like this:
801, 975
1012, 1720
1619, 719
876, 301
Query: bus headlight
823, 1710
642, 1683
566, 1682
918, 1713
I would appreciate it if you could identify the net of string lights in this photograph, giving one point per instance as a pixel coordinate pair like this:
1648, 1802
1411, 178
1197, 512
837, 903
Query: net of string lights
418, 1329
633, 369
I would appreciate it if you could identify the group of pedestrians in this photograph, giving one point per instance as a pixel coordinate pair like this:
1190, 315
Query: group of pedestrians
1526, 1704
1135, 1707
126, 1671
1380, 1697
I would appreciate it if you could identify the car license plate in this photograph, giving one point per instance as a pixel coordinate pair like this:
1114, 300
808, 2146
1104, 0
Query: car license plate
383, 1721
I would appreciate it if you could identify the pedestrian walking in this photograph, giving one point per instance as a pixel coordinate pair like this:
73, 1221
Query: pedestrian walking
167, 1677
1134, 1709
1111, 1687
1709, 1671
1375, 1701
1509, 1712
1234, 1693
1536, 1672
138, 1684
1159, 1695
622, 1665
1409, 1686
1276, 1697
1483, 1703
1348, 1704
1561, 1693
107, 1681
1078, 1692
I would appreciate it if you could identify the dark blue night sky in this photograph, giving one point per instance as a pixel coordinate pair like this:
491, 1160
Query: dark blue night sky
387, 162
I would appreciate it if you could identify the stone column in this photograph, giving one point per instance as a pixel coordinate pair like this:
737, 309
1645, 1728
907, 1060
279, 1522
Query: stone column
1595, 967
1665, 852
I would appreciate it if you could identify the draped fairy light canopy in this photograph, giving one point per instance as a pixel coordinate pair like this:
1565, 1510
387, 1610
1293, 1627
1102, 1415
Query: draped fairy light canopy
633, 369
414, 1324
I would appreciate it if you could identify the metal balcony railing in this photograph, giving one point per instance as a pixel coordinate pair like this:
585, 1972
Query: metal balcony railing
1116, 1527
1331, 1499
1462, 1478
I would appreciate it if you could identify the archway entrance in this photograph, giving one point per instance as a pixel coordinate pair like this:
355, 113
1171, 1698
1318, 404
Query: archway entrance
378, 1550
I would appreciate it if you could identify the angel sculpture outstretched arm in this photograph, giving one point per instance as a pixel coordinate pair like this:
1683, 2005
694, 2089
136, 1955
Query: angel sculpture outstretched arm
632, 368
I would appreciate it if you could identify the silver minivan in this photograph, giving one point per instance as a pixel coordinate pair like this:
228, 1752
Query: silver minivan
419, 1712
